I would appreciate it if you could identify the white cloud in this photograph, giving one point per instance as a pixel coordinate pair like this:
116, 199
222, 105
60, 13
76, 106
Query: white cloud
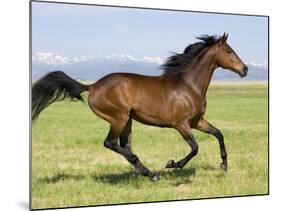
260, 65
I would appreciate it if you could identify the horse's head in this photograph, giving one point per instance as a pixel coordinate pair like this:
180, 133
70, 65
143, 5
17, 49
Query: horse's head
228, 59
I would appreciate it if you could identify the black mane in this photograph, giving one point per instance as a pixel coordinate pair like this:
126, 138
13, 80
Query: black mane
177, 62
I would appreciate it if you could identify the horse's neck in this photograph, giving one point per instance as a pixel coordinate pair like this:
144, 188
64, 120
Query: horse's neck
201, 71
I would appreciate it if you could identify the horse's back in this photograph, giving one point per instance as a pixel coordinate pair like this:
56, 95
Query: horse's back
122, 92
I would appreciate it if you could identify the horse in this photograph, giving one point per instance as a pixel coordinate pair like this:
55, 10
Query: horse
175, 99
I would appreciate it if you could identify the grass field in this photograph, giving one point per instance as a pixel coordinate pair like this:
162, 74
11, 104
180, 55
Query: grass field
70, 166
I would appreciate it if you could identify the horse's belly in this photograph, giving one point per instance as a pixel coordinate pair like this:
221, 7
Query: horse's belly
150, 119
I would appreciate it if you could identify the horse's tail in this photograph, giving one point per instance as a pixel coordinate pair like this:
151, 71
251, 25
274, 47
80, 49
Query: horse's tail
53, 87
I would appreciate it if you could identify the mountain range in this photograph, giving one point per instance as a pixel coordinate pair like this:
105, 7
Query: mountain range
92, 68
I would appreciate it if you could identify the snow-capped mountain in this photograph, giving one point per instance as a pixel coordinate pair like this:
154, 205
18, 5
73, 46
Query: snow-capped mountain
46, 58
49, 59
94, 67
263, 65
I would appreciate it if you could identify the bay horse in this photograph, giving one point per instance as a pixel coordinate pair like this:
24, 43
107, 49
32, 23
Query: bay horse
175, 99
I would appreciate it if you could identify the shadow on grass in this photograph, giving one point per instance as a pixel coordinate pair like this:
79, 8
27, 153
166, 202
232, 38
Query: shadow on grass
208, 168
61, 177
175, 176
125, 177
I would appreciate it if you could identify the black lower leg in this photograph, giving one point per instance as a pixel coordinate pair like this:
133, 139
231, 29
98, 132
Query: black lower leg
188, 137
206, 127
132, 158
223, 152
125, 137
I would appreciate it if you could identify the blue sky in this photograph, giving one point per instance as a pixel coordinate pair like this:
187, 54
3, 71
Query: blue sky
77, 30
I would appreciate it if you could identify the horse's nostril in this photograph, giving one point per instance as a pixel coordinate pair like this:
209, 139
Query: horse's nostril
245, 69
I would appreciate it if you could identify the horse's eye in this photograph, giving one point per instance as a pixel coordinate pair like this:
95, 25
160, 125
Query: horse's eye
228, 51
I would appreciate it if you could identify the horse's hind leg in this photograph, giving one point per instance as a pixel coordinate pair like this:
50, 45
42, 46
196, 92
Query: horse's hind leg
125, 137
111, 142
206, 127
185, 131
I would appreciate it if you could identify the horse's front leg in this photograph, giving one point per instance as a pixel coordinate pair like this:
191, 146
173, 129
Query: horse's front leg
205, 126
185, 131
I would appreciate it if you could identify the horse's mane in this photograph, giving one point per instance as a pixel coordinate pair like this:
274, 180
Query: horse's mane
177, 62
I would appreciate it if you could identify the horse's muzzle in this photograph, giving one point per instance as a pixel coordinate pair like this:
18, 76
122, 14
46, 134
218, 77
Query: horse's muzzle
244, 73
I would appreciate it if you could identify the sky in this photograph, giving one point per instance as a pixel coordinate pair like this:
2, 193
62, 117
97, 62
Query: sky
79, 30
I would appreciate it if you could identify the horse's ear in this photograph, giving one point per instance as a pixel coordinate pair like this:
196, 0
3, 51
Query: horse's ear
225, 36
223, 39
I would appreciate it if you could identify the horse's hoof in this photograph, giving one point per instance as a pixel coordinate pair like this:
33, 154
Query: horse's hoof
155, 178
170, 164
224, 166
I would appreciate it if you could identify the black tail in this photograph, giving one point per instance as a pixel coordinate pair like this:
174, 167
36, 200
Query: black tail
53, 87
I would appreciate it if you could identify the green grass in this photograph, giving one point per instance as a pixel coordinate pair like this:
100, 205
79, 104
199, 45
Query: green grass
70, 166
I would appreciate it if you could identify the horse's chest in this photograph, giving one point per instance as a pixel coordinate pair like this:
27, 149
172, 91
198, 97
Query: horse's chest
198, 113
188, 110
198, 107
